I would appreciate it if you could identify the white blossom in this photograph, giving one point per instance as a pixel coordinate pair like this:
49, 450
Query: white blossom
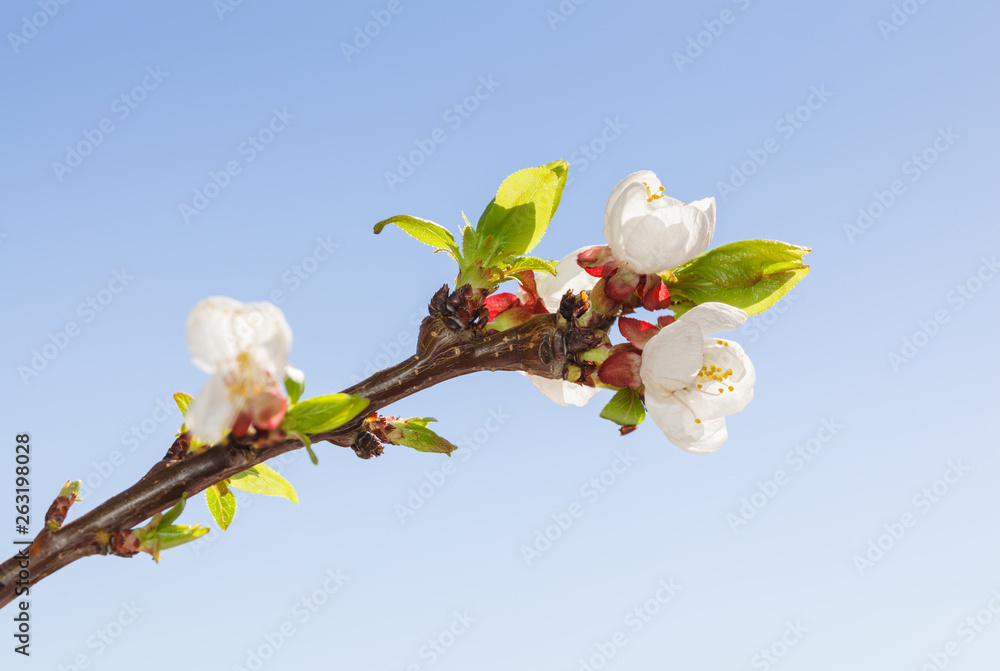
245, 348
693, 379
652, 232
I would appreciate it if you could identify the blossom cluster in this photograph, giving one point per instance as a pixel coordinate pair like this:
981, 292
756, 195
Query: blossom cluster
653, 279
688, 378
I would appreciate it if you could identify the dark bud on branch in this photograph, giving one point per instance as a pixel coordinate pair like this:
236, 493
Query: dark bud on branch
179, 449
120, 543
366, 445
57, 512
464, 309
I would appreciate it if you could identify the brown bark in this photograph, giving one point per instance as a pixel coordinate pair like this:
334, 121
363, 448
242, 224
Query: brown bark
536, 347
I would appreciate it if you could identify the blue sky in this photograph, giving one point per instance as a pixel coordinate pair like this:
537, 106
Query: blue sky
793, 115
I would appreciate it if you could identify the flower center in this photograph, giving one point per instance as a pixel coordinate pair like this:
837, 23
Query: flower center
712, 378
650, 196
242, 381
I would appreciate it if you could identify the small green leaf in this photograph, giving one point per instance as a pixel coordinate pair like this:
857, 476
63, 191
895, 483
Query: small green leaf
469, 242
413, 432
524, 205
174, 535
183, 402
262, 479
72, 488
307, 443
323, 413
159, 534
295, 384
175, 512
222, 504
531, 263
625, 408
751, 275
425, 231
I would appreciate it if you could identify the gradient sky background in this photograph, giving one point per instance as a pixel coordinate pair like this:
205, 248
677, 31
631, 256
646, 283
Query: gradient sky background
823, 358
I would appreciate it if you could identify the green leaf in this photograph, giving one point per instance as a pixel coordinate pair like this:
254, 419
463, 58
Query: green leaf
159, 534
262, 479
413, 432
519, 215
183, 402
295, 384
323, 413
751, 275
531, 263
72, 488
307, 444
625, 408
470, 241
175, 512
425, 231
174, 535
561, 169
222, 504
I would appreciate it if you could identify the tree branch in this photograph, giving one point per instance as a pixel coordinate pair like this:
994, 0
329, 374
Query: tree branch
536, 347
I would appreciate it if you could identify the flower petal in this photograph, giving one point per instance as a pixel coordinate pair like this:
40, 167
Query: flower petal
715, 317
213, 411
704, 231
207, 329
639, 177
564, 392
652, 245
672, 358
682, 428
612, 210
219, 329
665, 237
261, 330
619, 217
